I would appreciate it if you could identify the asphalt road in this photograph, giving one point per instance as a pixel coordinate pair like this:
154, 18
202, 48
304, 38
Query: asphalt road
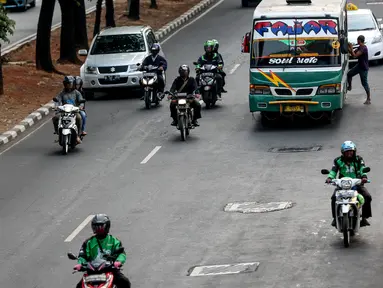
26, 22
169, 211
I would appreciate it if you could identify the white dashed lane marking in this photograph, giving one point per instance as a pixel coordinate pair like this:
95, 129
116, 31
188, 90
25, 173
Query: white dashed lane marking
151, 154
79, 228
234, 68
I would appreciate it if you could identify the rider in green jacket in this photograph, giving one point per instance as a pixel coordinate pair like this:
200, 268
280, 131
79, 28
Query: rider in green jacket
351, 165
100, 244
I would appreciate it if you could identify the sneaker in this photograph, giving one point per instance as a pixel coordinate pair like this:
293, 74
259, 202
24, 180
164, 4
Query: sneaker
195, 123
223, 90
333, 223
174, 123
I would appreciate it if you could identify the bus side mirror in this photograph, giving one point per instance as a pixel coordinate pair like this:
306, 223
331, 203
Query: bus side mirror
245, 46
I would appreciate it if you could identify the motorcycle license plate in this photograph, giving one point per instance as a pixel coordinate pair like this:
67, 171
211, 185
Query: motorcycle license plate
210, 74
294, 108
150, 74
111, 78
95, 278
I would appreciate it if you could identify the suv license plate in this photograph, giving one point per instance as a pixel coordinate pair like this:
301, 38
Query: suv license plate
112, 78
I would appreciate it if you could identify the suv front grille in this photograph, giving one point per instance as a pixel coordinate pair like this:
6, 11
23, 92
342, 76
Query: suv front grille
117, 69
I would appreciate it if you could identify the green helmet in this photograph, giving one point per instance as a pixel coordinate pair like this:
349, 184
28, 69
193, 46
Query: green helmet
216, 45
208, 46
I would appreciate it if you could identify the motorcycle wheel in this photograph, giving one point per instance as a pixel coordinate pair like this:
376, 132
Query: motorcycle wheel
181, 126
148, 103
65, 146
346, 232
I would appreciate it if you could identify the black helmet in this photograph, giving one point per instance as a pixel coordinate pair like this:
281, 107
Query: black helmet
68, 80
184, 69
155, 48
78, 80
101, 224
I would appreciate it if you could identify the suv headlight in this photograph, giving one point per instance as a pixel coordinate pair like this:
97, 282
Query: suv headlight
133, 68
377, 39
329, 89
90, 70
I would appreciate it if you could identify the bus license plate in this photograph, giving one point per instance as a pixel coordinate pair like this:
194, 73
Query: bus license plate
295, 108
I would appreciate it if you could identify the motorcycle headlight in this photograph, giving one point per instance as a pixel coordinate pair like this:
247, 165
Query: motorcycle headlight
346, 184
182, 102
151, 81
144, 81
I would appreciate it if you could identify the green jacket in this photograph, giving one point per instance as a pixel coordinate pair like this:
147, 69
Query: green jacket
353, 171
90, 249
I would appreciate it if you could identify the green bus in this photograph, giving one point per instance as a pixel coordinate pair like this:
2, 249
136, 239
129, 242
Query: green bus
298, 58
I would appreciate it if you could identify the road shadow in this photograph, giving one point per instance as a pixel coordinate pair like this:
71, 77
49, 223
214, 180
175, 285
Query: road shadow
297, 124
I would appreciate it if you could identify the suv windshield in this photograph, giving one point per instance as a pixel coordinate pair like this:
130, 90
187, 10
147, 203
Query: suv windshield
295, 43
113, 44
360, 22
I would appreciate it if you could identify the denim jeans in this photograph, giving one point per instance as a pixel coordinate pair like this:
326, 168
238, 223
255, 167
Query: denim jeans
83, 116
363, 76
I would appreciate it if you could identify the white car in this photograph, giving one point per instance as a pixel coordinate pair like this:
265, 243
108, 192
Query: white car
363, 22
114, 58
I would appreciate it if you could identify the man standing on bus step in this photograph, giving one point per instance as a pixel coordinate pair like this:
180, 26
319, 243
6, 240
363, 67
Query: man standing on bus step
361, 67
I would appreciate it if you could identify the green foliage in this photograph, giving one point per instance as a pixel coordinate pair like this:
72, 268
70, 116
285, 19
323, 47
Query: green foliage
7, 25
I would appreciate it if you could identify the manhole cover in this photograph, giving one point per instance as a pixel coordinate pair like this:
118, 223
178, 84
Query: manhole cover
295, 149
211, 270
254, 207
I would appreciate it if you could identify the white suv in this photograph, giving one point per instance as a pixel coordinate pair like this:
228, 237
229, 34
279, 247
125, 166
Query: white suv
115, 55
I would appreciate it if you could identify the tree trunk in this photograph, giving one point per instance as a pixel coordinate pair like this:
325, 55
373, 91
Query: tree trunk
81, 35
1, 74
153, 4
134, 10
109, 15
97, 21
67, 40
43, 38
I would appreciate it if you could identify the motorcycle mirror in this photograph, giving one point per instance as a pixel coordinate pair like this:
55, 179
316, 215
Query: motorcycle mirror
366, 169
55, 100
195, 63
71, 256
324, 171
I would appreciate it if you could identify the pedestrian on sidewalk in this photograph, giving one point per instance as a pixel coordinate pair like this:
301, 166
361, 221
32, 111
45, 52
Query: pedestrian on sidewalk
361, 67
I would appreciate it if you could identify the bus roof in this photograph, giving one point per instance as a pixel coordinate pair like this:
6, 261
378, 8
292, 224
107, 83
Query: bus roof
317, 8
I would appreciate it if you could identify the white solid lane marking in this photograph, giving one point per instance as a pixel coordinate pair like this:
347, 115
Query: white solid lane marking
79, 228
151, 154
234, 68
26, 136
199, 17
379, 19
374, 3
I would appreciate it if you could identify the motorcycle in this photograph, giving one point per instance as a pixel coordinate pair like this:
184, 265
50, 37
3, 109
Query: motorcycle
348, 205
99, 272
150, 83
207, 80
67, 128
185, 113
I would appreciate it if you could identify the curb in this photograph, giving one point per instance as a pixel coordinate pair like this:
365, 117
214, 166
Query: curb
46, 109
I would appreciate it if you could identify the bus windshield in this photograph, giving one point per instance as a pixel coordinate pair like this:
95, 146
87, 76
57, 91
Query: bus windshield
286, 43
